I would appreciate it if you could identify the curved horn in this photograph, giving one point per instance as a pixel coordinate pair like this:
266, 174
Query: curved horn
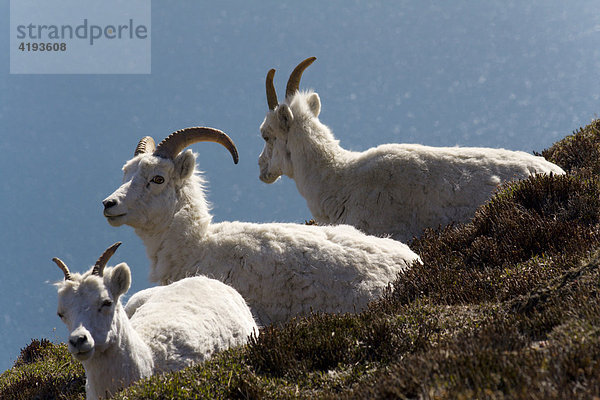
271, 93
63, 268
294, 82
101, 263
179, 140
145, 145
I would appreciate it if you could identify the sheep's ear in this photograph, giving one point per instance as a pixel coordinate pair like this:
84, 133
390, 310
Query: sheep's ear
284, 117
185, 163
314, 104
120, 280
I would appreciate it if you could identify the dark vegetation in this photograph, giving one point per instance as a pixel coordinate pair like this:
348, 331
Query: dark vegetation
43, 371
506, 306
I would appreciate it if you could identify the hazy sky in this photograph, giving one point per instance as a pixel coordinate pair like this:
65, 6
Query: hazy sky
497, 74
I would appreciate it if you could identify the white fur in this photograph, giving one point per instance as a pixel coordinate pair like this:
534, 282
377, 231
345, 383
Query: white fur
172, 327
282, 270
392, 189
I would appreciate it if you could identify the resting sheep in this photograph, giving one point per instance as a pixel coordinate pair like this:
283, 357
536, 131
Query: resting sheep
392, 189
282, 270
176, 326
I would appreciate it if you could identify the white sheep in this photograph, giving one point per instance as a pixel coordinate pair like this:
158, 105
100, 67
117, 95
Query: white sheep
282, 270
392, 189
173, 327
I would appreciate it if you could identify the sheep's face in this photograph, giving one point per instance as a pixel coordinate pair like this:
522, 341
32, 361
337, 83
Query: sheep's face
276, 157
274, 160
86, 304
148, 196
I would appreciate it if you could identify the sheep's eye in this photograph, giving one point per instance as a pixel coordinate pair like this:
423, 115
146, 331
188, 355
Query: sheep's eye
106, 303
158, 179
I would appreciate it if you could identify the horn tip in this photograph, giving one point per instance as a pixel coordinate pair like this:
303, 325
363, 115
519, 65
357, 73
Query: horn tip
294, 79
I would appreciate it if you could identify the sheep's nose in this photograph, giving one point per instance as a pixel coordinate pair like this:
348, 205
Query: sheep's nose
109, 203
78, 341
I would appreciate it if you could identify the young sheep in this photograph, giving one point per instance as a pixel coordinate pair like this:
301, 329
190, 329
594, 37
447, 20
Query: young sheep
173, 327
392, 189
281, 269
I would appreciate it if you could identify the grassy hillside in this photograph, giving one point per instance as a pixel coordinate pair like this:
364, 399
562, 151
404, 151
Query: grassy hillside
506, 306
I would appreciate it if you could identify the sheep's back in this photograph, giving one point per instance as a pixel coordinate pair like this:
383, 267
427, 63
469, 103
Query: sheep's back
189, 320
405, 188
288, 269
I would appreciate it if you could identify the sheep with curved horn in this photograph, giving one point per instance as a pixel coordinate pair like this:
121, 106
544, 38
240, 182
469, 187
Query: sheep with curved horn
394, 190
173, 326
282, 270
